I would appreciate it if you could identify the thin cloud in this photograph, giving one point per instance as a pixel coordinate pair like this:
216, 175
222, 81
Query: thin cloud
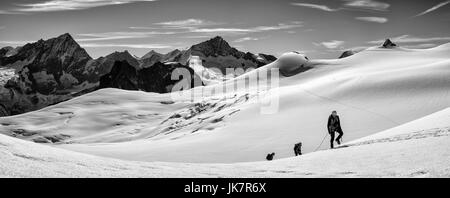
199, 26
64, 5
182, 26
413, 39
188, 23
195, 37
143, 28
372, 5
135, 46
316, 6
434, 8
214, 30
332, 44
373, 19
281, 26
119, 35
246, 39
9, 12
367, 4
15, 42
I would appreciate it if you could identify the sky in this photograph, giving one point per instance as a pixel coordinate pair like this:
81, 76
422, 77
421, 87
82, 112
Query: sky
318, 28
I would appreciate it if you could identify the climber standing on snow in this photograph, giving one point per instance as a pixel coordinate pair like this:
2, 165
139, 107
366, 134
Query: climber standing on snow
334, 126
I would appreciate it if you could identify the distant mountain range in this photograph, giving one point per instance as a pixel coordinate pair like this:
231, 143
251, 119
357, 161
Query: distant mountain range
47, 72
215, 53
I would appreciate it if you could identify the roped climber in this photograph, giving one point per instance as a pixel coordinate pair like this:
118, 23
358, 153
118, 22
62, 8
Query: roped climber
334, 126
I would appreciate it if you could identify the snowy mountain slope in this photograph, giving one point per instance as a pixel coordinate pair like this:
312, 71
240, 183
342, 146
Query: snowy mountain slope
6, 74
47, 72
373, 90
423, 153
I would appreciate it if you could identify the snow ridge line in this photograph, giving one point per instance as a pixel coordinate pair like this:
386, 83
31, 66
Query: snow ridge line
437, 132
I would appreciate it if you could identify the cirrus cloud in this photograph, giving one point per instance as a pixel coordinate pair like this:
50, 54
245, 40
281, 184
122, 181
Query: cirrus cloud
280, 26
135, 46
371, 5
367, 4
373, 19
316, 6
246, 39
434, 8
64, 5
188, 23
331, 44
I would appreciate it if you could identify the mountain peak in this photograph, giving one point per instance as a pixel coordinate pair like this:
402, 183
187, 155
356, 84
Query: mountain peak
58, 47
217, 38
121, 53
389, 44
65, 36
213, 47
151, 54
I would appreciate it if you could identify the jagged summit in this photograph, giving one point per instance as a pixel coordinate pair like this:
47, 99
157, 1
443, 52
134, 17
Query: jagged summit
216, 46
151, 54
124, 53
47, 71
389, 44
121, 56
63, 48
58, 47
66, 36
153, 57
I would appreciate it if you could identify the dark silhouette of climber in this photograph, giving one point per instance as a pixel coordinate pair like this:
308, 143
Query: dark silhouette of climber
270, 156
298, 149
334, 126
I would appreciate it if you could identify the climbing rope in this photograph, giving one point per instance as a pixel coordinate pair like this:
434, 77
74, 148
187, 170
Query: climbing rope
324, 137
350, 106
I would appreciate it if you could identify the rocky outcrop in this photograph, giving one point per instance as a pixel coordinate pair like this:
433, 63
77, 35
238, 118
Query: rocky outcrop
48, 72
122, 76
103, 65
267, 58
3, 111
347, 54
389, 44
5, 50
214, 47
153, 57
51, 66
157, 78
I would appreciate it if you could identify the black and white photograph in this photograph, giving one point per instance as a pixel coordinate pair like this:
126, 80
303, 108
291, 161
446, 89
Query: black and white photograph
224, 89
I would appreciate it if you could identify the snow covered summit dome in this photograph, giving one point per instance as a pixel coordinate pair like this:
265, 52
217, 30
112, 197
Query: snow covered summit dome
291, 62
